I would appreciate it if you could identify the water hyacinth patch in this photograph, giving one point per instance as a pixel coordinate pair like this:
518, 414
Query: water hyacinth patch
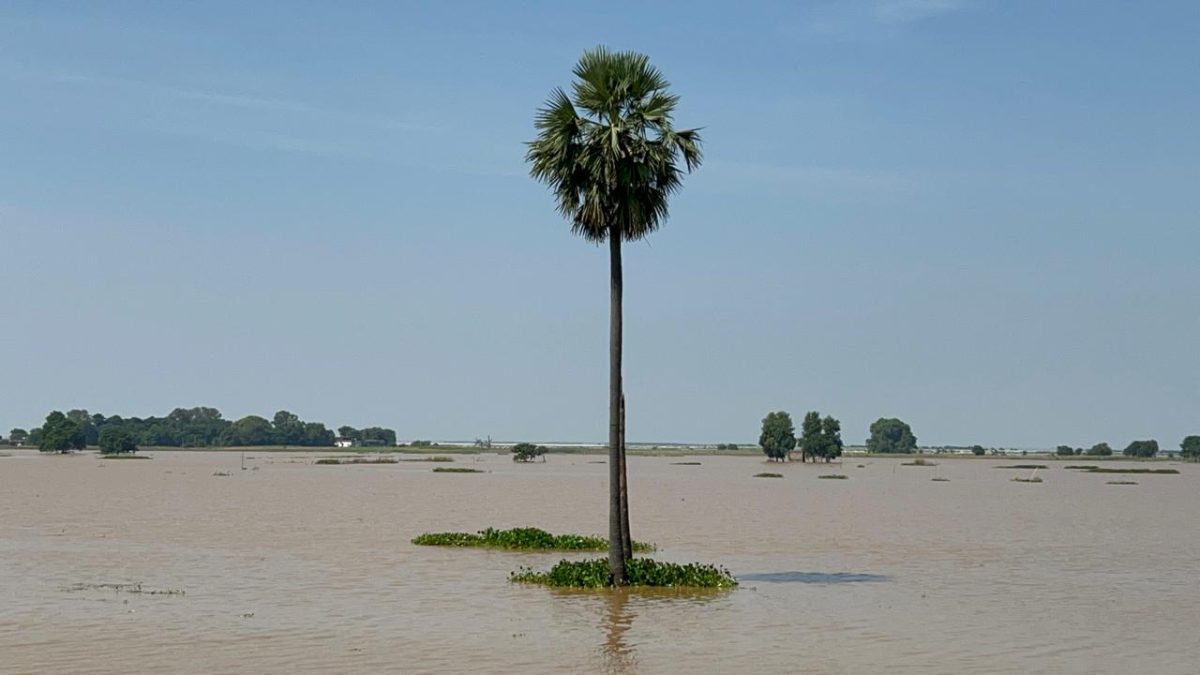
521, 539
640, 572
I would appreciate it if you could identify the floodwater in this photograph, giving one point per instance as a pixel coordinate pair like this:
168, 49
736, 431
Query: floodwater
290, 567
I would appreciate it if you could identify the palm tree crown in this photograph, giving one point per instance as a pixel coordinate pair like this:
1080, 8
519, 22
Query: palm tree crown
608, 151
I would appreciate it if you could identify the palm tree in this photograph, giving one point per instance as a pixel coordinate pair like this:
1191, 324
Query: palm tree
612, 159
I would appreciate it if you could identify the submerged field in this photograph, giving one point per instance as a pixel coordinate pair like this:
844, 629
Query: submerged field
287, 566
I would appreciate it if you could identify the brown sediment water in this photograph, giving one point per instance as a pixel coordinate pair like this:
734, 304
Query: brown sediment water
287, 567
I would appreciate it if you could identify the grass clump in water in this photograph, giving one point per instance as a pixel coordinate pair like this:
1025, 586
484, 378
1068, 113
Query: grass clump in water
435, 458
833, 476
1083, 467
1110, 470
455, 469
355, 460
124, 455
640, 572
1021, 466
768, 475
686, 463
1034, 479
919, 462
1122, 482
940, 480
521, 539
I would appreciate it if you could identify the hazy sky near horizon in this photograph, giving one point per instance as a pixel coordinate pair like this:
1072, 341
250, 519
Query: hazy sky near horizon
981, 217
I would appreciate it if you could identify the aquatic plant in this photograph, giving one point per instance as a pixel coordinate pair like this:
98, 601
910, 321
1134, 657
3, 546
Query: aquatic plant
920, 461
1084, 467
1032, 479
938, 479
686, 463
434, 458
1112, 470
768, 475
833, 476
125, 456
1122, 482
1021, 466
455, 469
356, 460
521, 539
640, 572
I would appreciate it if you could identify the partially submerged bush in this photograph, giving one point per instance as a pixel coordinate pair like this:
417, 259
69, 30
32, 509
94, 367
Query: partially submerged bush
920, 461
768, 475
527, 452
1083, 467
521, 539
833, 476
639, 572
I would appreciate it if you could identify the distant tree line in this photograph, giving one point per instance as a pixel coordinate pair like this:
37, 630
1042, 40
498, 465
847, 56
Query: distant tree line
186, 428
821, 437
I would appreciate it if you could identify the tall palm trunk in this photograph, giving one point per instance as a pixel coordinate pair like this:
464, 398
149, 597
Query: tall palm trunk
616, 548
626, 540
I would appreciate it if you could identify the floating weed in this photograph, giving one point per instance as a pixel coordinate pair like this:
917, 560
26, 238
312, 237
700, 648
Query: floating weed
768, 475
940, 480
124, 455
123, 588
1110, 470
919, 462
1020, 466
456, 469
1084, 467
1034, 479
355, 460
640, 572
435, 458
521, 539
833, 476
222, 473
686, 463
1122, 482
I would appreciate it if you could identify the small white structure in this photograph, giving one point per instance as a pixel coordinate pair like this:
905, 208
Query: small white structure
343, 442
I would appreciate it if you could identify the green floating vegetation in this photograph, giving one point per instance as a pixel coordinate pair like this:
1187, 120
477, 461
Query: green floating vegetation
640, 572
1083, 467
1021, 466
455, 469
919, 462
1122, 482
686, 463
1111, 470
434, 458
768, 475
940, 480
125, 455
355, 460
1034, 479
833, 476
521, 539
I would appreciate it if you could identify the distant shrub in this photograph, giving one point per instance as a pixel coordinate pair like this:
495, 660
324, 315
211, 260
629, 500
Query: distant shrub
527, 452
115, 441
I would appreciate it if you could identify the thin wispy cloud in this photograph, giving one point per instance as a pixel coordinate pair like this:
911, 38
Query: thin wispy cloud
866, 18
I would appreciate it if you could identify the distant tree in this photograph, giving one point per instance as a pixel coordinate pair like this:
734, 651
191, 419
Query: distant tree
348, 432
377, 436
812, 441
18, 436
250, 430
978, 450
317, 436
35, 436
1064, 450
527, 452
1100, 450
60, 434
831, 434
86, 424
1142, 449
1188, 449
778, 436
115, 440
890, 435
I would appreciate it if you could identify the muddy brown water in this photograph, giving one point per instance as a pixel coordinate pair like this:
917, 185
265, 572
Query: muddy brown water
289, 567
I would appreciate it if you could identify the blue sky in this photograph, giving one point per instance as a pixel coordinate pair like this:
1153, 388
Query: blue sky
981, 217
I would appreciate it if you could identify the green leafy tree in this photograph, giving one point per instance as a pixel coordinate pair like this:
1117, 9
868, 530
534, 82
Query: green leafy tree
1189, 448
35, 436
778, 436
86, 424
60, 434
1142, 449
890, 435
612, 158
1100, 450
115, 440
831, 432
978, 450
250, 430
18, 436
812, 441
1064, 450
377, 436
527, 452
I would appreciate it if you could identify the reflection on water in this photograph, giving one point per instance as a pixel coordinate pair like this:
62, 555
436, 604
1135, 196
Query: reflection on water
812, 577
295, 568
